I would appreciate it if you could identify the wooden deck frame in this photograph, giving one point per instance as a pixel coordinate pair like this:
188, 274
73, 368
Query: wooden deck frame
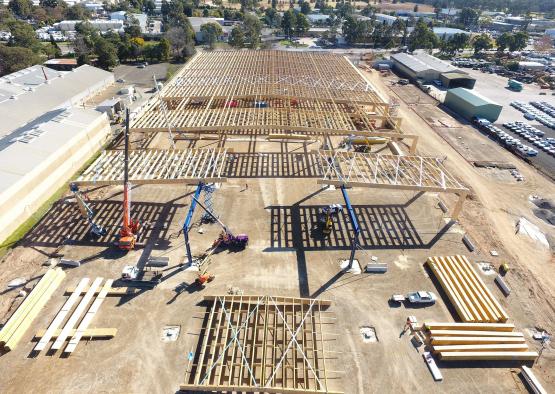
157, 166
372, 170
263, 344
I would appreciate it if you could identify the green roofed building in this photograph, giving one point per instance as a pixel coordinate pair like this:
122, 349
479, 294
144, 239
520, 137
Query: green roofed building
457, 80
470, 104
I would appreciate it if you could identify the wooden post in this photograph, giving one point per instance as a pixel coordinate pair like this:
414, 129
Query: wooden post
458, 206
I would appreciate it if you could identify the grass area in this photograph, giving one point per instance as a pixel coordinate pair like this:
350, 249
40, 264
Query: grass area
36, 217
292, 44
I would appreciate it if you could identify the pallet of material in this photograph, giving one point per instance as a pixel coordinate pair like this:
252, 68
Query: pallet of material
21, 320
471, 298
498, 347
93, 333
470, 326
473, 340
113, 291
488, 356
464, 333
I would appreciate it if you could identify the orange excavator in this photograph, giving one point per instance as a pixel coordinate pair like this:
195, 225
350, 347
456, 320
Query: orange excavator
130, 227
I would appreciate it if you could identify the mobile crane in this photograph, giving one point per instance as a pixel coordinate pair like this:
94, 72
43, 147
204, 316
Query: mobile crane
96, 231
130, 227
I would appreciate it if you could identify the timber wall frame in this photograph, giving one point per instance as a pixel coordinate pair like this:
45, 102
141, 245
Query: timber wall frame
372, 170
221, 92
263, 344
156, 166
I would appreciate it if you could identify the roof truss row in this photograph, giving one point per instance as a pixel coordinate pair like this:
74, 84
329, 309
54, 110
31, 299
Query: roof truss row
263, 344
347, 168
157, 166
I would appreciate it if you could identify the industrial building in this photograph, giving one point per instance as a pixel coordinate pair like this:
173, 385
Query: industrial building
470, 104
427, 68
457, 80
45, 135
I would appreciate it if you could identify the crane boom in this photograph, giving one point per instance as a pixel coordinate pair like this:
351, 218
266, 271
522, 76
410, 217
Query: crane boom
226, 229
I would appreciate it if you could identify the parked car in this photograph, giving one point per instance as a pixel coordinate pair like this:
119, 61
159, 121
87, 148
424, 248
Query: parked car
421, 297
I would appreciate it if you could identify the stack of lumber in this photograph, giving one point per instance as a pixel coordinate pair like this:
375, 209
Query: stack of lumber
467, 292
21, 320
478, 341
77, 313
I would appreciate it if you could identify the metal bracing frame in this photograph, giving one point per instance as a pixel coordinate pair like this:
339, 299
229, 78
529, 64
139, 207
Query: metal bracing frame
157, 167
263, 344
353, 169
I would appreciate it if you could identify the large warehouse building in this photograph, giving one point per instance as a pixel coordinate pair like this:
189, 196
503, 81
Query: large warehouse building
426, 68
45, 135
472, 104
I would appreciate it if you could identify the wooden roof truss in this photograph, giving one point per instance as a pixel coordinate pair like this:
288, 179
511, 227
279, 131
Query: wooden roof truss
221, 91
157, 166
263, 344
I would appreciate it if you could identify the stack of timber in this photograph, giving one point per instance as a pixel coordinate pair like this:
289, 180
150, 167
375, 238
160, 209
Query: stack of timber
21, 320
478, 341
467, 292
77, 323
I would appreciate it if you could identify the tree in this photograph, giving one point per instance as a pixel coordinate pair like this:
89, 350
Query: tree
149, 7
210, 33
274, 4
459, 41
481, 43
163, 49
181, 41
504, 41
544, 44
301, 24
252, 27
415, 9
236, 37
468, 17
23, 36
13, 59
305, 8
422, 37
272, 18
133, 29
288, 23
519, 42
49, 3
21, 8
77, 12
107, 56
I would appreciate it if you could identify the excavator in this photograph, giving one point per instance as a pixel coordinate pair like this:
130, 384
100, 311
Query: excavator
130, 227
96, 231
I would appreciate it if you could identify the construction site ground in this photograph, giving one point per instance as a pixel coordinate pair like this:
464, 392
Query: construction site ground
288, 256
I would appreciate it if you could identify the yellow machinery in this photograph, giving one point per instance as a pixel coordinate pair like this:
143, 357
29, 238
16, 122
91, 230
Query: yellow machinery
363, 144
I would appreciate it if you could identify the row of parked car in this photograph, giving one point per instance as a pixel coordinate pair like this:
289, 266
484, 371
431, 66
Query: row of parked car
508, 141
533, 135
545, 107
532, 113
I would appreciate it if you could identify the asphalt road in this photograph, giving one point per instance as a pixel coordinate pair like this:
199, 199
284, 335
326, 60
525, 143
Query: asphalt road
493, 87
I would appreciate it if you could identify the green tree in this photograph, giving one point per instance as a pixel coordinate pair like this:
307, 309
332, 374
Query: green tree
77, 12
459, 41
301, 24
236, 37
272, 18
163, 49
305, 8
274, 4
106, 53
422, 37
133, 29
468, 17
149, 7
288, 23
253, 28
21, 8
210, 33
519, 42
181, 40
24, 36
415, 9
504, 41
13, 59
481, 43
49, 3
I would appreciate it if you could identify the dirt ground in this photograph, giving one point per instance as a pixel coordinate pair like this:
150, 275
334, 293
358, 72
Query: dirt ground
274, 198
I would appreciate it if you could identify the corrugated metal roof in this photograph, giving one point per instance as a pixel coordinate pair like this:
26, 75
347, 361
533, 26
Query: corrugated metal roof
60, 90
411, 62
435, 63
473, 97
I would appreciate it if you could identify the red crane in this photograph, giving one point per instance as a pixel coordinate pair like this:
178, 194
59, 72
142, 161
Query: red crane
130, 227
